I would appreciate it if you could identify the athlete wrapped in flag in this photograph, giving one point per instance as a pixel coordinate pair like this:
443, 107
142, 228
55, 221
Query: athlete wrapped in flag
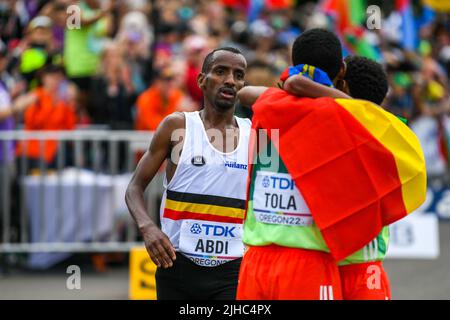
287, 257
362, 274
357, 168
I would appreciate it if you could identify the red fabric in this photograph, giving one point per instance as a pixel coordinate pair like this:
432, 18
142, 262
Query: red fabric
278, 4
365, 281
237, 4
281, 273
401, 5
347, 178
179, 215
191, 83
339, 8
284, 75
443, 143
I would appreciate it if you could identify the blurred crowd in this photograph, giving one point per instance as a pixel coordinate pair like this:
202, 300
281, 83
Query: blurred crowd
124, 65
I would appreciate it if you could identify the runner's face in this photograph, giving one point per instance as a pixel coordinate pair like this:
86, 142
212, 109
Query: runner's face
223, 80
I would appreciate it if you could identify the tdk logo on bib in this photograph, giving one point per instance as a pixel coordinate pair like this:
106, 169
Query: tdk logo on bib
280, 183
213, 230
196, 229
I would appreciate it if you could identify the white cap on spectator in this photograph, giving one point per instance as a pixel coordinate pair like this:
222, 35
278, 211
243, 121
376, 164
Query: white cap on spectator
135, 26
40, 22
261, 28
195, 43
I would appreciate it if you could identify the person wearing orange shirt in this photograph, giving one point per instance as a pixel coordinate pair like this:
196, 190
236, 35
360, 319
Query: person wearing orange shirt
158, 101
51, 111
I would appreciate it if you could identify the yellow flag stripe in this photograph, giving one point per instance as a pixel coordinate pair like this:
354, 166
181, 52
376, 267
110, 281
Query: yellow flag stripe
396, 137
311, 72
438, 5
205, 208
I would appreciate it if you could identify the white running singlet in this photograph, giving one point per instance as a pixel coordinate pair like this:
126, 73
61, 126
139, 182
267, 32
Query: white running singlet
202, 209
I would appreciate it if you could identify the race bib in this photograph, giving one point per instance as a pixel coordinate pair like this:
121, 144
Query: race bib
276, 200
211, 244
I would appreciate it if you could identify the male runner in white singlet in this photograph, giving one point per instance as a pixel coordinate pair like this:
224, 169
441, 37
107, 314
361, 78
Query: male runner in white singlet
199, 249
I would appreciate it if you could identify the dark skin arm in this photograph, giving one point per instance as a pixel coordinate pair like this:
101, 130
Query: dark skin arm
304, 87
249, 94
297, 85
158, 245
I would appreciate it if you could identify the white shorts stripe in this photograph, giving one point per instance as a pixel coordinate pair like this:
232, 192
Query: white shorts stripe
326, 293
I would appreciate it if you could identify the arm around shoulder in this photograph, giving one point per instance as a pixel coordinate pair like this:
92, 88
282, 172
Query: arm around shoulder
249, 94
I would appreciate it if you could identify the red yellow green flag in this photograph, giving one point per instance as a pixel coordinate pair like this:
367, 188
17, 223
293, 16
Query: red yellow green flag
358, 167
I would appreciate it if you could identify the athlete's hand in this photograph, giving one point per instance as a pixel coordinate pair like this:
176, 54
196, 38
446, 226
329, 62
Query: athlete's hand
158, 246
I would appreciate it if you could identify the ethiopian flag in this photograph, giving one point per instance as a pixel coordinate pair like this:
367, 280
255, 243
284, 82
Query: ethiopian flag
357, 166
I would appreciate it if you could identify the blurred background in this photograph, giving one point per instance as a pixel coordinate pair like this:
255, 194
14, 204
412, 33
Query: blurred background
83, 84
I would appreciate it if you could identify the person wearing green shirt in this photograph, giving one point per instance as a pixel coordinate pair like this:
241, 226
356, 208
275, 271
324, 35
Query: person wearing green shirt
83, 46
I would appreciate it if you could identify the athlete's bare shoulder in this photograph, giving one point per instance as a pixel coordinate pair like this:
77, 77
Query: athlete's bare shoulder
174, 121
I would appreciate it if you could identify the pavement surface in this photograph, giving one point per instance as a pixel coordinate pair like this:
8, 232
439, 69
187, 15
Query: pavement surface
410, 279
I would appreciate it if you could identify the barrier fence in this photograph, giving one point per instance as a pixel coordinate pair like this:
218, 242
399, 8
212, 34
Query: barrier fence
70, 198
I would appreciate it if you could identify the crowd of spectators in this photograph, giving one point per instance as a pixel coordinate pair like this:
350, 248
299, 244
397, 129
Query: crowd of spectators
124, 65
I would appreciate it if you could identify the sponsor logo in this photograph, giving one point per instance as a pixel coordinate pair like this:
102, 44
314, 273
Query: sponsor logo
280, 183
235, 165
198, 161
213, 230
266, 182
196, 229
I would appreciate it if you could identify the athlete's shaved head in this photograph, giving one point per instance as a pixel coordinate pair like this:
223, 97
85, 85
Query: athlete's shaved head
210, 57
319, 48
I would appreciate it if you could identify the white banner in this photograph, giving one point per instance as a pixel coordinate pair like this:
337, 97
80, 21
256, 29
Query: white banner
414, 237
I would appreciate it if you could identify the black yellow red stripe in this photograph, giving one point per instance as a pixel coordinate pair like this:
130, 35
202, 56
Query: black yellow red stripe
203, 207
206, 199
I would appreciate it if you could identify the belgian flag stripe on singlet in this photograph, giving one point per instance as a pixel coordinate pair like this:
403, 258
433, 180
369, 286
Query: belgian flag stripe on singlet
206, 199
180, 205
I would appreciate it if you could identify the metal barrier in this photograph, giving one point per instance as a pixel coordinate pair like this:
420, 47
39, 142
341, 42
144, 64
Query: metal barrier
75, 201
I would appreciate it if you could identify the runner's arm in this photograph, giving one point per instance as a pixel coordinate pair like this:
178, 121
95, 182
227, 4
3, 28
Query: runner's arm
157, 243
301, 86
249, 94
297, 85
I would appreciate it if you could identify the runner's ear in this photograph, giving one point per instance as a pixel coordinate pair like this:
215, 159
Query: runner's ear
342, 71
201, 81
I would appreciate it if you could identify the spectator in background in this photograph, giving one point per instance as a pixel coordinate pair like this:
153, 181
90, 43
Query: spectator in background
53, 110
11, 24
158, 101
38, 49
9, 111
56, 10
195, 48
135, 38
83, 46
114, 94
400, 100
